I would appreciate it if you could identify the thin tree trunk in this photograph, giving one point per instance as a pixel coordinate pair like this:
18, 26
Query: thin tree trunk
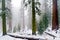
3, 18
10, 25
33, 18
55, 16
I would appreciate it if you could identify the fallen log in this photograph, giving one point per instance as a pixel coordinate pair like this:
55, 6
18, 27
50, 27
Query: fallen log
51, 35
29, 37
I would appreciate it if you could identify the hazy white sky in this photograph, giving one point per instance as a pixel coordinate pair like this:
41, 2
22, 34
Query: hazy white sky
16, 3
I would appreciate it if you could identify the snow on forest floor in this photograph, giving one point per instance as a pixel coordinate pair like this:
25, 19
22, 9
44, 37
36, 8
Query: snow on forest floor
47, 37
52, 32
44, 36
27, 36
6, 37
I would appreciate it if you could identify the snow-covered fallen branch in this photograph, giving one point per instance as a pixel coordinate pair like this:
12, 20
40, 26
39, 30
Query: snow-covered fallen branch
51, 35
29, 37
6, 37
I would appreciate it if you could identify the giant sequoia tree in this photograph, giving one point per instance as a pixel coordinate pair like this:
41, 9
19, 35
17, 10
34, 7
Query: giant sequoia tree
3, 18
55, 16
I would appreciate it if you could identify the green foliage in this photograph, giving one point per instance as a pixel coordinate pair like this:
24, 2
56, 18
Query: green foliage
40, 28
37, 6
38, 11
43, 24
7, 12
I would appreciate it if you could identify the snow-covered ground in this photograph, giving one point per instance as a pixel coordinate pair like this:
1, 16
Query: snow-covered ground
52, 32
6, 37
27, 36
44, 36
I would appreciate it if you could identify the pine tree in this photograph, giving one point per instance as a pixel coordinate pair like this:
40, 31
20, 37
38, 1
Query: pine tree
43, 24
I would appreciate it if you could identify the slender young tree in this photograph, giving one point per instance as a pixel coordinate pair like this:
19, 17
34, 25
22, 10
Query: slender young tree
3, 18
55, 16
35, 10
33, 18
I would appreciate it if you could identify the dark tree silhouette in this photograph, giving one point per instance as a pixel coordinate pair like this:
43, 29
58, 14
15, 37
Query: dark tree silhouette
3, 17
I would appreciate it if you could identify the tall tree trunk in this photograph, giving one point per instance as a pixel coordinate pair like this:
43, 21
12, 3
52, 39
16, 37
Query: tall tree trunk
33, 18
55, 16
3, 18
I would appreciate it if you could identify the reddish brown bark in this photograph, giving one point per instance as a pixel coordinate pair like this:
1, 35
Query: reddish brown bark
55, 16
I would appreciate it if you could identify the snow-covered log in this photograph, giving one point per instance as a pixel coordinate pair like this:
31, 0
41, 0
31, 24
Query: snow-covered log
29, 37
51, 34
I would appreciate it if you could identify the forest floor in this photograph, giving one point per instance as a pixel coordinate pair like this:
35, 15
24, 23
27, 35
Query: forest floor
49, 35
6, 37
